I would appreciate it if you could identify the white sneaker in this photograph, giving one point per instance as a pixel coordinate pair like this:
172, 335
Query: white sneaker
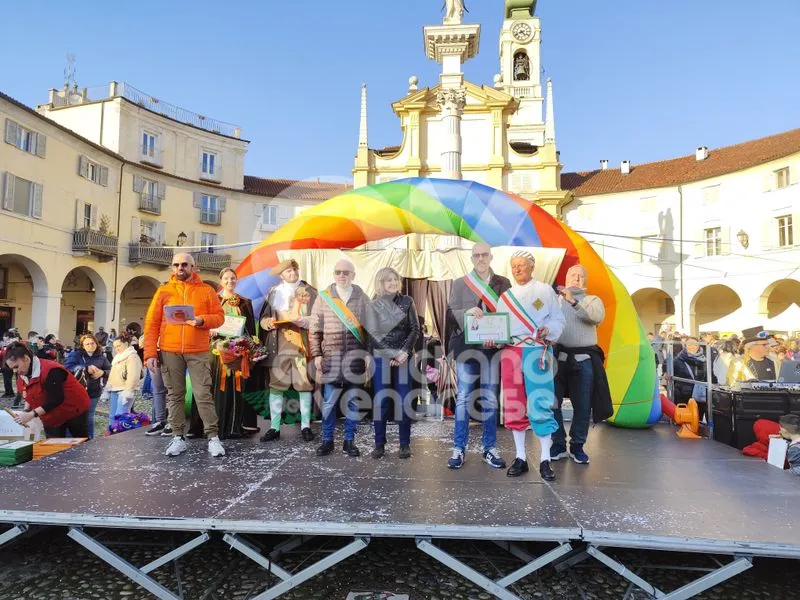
215, 447
176, 447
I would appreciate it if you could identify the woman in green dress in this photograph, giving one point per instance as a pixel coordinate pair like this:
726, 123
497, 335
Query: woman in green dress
236, 417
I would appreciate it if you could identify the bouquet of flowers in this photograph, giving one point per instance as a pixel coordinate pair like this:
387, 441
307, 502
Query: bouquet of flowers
233, 351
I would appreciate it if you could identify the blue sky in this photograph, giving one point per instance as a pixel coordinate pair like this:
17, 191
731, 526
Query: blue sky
634, 79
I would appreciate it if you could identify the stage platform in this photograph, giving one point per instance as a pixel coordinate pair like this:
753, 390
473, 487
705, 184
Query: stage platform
643, 489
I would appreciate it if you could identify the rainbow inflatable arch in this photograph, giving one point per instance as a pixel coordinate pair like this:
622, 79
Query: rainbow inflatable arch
478, 213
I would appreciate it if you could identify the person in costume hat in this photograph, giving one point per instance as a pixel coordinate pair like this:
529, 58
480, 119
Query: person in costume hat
339, 347
477, 371
754, 364
284, 324
527, 365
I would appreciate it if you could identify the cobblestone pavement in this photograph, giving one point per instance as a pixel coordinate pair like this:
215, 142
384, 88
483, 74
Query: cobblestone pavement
46, 565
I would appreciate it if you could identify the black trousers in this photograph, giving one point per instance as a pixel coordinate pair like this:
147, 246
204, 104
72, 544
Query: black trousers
77, 427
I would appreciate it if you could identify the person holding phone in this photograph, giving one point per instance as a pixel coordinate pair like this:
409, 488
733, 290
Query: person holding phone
185, 346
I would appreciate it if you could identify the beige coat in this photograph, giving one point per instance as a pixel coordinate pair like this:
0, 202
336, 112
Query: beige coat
126, 372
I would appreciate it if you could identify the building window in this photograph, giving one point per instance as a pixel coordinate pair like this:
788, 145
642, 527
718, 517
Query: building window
22, 196
785, 231
150, 200
92, 171
208, 241
270, 216
152, 232
25, 139
151, 153
713, 241
210, 210
209, 165
782, 178
86, 218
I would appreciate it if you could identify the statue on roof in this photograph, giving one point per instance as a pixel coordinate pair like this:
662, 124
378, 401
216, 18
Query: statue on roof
454, 12
520, 9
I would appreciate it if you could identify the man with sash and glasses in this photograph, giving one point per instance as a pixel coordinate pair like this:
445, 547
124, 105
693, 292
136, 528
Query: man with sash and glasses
477, 370
527, 365
339, 348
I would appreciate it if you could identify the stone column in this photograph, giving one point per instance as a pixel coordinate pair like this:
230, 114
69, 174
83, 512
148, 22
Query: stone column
46, 313
451, 103
103, 309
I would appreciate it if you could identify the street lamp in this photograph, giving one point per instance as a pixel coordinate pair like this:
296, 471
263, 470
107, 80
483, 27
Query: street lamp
181, 239
743, 238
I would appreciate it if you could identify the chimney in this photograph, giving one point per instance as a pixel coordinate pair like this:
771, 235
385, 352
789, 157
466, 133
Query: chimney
701, 153
604, 165
625, 167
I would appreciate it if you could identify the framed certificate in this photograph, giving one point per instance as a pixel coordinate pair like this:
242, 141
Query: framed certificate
232, 327
492, 327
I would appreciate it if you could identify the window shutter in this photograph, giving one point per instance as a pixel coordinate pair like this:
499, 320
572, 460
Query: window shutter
218, 241
258, 209
769, 181
41, 145
189, 238
162, 190
161, 231
796, 229
79, 213
794, 175
36, 201
198, 200
104, 176
11, 132
93, 224
83, 167
221, 203
136, 229
138, 184
8, 192
727, 242
767, 234
700, 243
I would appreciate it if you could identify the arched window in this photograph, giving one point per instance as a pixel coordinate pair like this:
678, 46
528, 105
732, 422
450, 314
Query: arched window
522, 66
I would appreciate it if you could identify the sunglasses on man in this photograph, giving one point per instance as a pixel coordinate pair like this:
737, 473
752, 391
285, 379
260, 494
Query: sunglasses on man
340, 272
481, 255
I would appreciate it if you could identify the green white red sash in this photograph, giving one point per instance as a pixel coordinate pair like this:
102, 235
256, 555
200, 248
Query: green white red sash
482, 290
515, 308
345, 315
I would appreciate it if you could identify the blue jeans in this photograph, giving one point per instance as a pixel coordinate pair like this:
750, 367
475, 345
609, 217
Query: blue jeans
331, 395
92, 407
472, 383
392, 383
159, 391
575, 379
116, 406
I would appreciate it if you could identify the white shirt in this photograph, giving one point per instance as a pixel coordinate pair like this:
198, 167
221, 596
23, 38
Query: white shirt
284, 294
541, 304
344, 293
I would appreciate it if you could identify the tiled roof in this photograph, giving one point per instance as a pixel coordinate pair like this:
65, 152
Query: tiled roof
387, 151
294, 189
685, 169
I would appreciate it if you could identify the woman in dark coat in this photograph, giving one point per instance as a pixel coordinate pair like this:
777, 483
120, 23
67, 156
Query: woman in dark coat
236, 417
392, 325
91, 367
690, 363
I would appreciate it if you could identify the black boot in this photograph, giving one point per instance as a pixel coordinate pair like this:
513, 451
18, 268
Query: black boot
326, 448
271, 435
307, 434
517, 468
546, 472
405, 452
378, 452
349, 448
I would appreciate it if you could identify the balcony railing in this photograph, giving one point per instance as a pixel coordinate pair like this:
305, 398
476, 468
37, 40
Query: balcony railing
213, 217
102, 245
150, 203
151, 255
211, 262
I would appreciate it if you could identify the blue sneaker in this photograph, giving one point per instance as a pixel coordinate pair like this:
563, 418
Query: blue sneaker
457, 460
492, 458
558, 451
578, 455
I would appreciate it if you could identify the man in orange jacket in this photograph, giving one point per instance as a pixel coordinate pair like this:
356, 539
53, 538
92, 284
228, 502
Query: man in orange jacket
182, 346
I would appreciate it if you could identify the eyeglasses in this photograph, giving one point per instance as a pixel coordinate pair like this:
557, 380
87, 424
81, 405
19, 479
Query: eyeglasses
183, 264
340, 272
481, 255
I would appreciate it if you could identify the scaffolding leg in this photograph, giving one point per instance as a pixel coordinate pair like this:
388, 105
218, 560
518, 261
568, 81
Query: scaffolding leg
253, 554
293, 580
12, 533
288, 545
535, 565
138, 576
690, 590
621, 569
456, 565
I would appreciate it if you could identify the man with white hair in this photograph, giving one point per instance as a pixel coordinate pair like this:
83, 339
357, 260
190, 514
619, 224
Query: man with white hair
581, 375
527, 365
339, 348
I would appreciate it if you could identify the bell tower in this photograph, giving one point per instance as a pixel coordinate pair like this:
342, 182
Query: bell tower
520, 70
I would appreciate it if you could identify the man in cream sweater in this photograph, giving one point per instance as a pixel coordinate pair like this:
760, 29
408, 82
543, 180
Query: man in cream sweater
575, 377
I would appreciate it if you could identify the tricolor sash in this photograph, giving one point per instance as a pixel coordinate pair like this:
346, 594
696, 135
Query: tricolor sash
482, 290
345, 315
516, 309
